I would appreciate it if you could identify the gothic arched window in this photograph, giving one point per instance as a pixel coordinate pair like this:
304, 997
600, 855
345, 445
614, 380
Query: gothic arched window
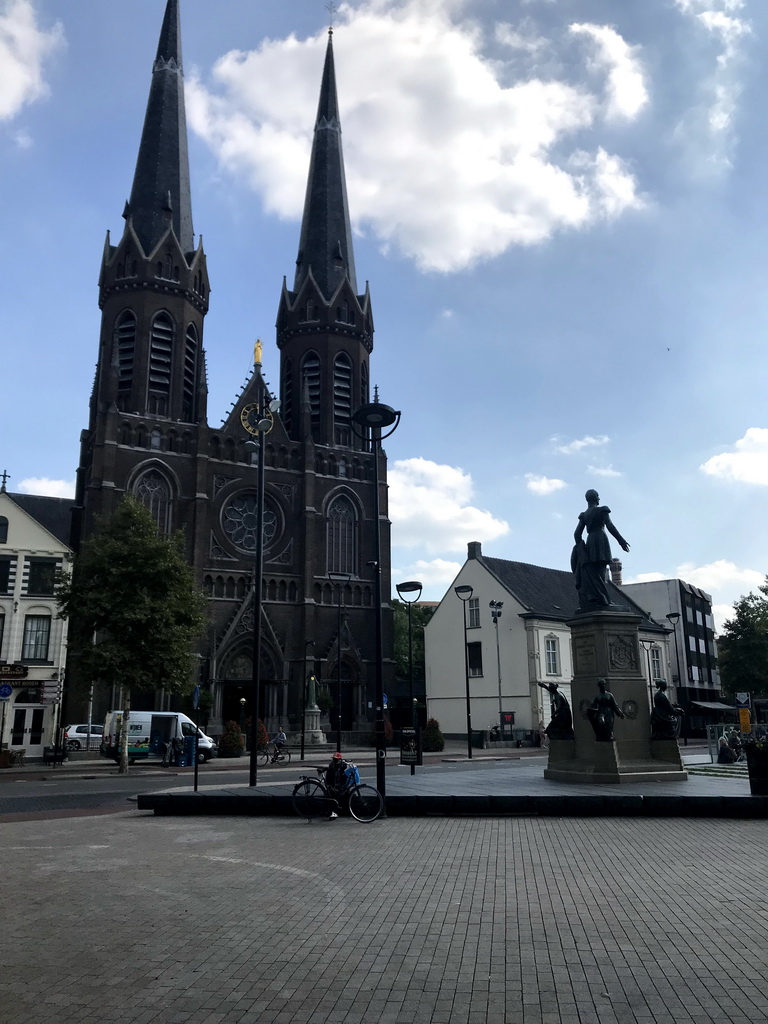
287, 408
190, 375
310, 376
154, 492
125, 336
341, 536
160, 356
342, 397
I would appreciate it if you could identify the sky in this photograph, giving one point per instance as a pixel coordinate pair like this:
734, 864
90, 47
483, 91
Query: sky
561, 208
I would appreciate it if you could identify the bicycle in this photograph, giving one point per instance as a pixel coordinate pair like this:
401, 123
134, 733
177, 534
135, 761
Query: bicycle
270, 754
312, 799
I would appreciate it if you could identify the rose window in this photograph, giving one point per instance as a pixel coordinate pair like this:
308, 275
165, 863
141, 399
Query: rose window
240, 521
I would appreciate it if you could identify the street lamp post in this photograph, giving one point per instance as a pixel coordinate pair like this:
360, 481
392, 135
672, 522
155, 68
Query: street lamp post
673, 619
340, 578
464, 593
414, 588
258, 419
649, 645
496, 607
372, 419
307, 643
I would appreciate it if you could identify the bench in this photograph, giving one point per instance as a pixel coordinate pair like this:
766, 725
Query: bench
54, 755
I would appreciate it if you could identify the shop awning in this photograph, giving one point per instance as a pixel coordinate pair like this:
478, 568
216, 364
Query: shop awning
713, 705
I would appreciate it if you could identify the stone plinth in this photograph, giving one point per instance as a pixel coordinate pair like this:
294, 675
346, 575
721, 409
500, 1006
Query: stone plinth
312, 732
606, 646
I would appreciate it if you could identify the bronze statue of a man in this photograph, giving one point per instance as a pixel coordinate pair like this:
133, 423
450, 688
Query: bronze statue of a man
590, 559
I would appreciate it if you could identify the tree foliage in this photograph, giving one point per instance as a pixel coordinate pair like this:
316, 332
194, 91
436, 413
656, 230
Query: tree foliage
134, 607
742, 646
420, 616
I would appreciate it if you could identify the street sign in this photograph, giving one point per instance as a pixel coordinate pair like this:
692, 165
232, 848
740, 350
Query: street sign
196, 698
6, 691
386, 699
743, 700
745, 722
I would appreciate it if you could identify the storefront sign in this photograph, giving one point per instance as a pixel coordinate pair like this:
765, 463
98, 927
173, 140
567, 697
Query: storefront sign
13, 671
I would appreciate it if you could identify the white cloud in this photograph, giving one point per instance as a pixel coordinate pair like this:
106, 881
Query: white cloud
429, 508
747, 463
720, 20
724, 580
444, 160
579, 445
543, 485
51, 488
519, 38
437, 572
23, 49
627, 94
603, 471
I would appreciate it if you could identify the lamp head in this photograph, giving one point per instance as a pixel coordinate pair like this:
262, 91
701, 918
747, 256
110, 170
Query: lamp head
464, 592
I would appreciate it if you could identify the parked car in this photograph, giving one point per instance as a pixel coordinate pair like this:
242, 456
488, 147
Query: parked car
76, 736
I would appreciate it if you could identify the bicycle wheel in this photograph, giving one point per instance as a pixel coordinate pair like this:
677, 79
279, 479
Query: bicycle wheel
284, 757
365, 803
309, 799
262, 756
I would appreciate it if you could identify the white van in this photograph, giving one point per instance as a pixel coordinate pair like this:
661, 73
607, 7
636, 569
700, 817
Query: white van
149, 733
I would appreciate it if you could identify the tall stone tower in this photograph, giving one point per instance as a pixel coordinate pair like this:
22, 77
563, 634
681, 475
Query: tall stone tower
148, 432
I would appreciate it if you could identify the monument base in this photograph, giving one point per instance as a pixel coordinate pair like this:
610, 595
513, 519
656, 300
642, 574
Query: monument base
313, 734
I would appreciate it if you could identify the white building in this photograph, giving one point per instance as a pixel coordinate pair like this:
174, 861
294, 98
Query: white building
530, 644
33, 547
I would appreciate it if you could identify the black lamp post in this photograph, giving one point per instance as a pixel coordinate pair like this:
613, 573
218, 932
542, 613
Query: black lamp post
414, 588
464, 593
258, 419
374, 418
673, 619
340, 578
307, 643
649, 645
496, 607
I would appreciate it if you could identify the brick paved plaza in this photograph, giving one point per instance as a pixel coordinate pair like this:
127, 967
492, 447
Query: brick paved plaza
139, 919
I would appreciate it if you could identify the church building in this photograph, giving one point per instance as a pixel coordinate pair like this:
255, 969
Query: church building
148, 432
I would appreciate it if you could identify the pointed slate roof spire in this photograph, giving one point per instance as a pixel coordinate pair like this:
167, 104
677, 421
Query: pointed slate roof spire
325, 247
160, 191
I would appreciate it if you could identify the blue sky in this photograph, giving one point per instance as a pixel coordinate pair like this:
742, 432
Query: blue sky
560, 206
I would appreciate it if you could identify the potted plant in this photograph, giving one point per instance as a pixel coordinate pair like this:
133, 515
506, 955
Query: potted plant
231, 741
756, 749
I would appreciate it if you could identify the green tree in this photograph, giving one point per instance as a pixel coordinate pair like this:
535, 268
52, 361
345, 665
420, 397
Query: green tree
134, 608
742, 646
420, 616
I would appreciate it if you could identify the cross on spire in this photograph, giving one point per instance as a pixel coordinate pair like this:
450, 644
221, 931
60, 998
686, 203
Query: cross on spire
4, 476
331, 8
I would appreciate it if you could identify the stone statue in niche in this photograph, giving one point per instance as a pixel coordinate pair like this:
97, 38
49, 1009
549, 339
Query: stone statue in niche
561, 724
590, 558
666, 716
602, 711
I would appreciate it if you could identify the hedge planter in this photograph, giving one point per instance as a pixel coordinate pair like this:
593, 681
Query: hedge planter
757, 766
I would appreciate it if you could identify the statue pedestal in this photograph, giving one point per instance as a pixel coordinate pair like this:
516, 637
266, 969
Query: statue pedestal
312, 732
606, 646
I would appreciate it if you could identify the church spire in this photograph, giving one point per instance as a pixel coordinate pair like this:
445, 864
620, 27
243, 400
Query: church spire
161, 193
325, 247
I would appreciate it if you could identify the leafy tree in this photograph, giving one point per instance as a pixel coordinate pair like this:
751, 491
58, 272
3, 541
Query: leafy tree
420, 616
742, 646
134, 606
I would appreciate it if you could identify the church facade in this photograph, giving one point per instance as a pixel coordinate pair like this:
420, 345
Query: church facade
148, 432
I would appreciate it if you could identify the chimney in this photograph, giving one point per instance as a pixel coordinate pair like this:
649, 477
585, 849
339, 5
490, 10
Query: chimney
616, 572
474, 549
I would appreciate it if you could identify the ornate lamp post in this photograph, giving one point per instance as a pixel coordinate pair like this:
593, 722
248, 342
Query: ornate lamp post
258, 419
673, 618
339, 578
464, 593
372, 419
496, 607
413, 588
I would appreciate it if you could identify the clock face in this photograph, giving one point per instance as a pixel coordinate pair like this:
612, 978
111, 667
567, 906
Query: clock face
249, 417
